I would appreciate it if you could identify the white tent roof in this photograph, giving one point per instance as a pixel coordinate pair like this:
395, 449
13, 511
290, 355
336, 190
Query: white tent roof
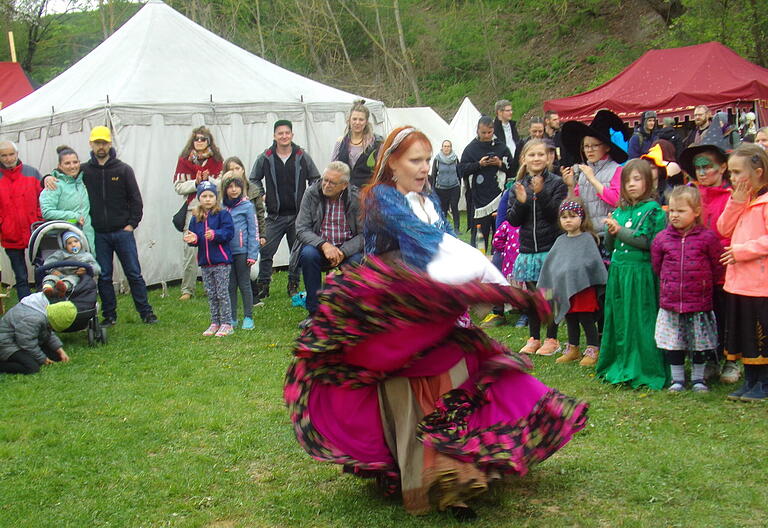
464, 124
154, 80
155, 58
425, 119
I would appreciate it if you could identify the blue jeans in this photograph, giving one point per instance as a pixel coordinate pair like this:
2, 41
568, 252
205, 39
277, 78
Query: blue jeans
313, 263
19, 267
124, 244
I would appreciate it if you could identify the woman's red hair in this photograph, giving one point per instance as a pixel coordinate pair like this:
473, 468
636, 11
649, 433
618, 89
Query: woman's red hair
383, 174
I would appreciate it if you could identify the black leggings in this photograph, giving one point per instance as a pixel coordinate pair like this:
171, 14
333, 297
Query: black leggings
20, 362
534, 323
449, 199
677, 357
240, 278
588, 321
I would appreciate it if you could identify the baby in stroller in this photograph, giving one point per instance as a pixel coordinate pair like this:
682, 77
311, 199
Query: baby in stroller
61, 281
51, 247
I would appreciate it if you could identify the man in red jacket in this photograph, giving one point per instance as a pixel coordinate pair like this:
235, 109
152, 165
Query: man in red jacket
19, 209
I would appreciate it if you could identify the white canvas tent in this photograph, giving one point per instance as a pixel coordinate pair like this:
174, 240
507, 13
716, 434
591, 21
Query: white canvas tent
425, 119
146, 82
464, 124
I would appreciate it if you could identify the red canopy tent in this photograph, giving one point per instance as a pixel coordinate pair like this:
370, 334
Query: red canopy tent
13, 83
672, 82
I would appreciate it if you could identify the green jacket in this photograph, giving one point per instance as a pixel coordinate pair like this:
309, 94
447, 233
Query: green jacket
68, 202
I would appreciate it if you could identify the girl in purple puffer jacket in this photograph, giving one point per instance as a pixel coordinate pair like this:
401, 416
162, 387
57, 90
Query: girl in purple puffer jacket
686, 256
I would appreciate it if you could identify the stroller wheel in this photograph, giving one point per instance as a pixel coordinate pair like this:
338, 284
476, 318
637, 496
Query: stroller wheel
102, 335
91, 336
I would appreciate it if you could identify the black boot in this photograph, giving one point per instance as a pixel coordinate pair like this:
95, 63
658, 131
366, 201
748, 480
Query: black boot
759, 391
262, 290
293, 287
750, 380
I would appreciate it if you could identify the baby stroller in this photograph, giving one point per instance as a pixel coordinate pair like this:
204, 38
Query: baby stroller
45, 239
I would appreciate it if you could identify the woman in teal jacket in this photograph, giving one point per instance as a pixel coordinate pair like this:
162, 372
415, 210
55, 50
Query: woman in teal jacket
69, 201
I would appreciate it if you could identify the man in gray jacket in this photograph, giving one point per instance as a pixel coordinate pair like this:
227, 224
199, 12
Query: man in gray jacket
27, 340
328, 232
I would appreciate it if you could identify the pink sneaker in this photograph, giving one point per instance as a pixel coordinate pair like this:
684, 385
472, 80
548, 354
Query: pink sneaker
531, 346
549, 348
211, 330
225, 330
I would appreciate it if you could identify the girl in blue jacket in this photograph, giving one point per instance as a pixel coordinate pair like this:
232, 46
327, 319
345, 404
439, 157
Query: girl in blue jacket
211, 229
244, 244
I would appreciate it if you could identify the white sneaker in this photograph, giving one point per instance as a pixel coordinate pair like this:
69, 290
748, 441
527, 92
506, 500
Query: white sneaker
225, 330
731, 372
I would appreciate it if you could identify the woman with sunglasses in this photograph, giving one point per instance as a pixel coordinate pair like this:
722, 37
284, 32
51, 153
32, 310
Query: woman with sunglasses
200, 160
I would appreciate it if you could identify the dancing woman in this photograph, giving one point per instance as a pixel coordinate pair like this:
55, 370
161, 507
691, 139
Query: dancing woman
390, 380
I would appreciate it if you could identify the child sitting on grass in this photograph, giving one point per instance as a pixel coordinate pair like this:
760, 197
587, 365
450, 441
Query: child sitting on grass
61, 281
26, 338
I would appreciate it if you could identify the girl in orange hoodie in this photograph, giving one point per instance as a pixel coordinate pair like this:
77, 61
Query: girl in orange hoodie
745, 221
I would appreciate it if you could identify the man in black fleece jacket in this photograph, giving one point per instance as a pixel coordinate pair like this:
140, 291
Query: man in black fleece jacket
481, 162
282, 172
116, 210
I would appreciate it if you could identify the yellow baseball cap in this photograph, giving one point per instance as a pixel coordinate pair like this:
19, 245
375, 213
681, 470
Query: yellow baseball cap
101, 133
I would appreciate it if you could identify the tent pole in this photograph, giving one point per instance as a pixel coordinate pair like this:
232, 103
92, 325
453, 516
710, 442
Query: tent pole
45, 141
12, 44
216, 122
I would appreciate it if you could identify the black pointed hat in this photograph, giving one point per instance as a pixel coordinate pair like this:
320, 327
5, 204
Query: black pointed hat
715, 139
573, 132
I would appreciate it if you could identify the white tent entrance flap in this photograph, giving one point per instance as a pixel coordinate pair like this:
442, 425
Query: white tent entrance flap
141, 83
464, 124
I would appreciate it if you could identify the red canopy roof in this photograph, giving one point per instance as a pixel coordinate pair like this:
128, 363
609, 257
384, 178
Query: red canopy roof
13, 83
672, 82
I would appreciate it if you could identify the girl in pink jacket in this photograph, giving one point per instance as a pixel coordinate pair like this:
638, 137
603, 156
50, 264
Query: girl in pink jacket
686, 257
745, 221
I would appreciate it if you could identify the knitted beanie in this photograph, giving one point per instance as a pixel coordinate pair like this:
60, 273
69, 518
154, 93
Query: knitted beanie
207, 186
61, 315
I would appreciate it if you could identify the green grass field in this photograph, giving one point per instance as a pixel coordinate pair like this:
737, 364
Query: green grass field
163, 427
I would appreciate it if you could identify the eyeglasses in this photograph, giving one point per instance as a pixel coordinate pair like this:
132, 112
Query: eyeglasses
593, 147
331, 183
201, 139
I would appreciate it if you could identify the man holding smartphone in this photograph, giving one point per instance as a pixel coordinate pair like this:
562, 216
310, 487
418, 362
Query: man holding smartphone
483, 161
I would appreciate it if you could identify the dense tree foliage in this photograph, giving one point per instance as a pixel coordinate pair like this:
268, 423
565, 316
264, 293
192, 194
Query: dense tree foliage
408, 52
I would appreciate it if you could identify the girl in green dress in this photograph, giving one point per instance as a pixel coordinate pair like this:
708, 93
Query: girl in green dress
628, 352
